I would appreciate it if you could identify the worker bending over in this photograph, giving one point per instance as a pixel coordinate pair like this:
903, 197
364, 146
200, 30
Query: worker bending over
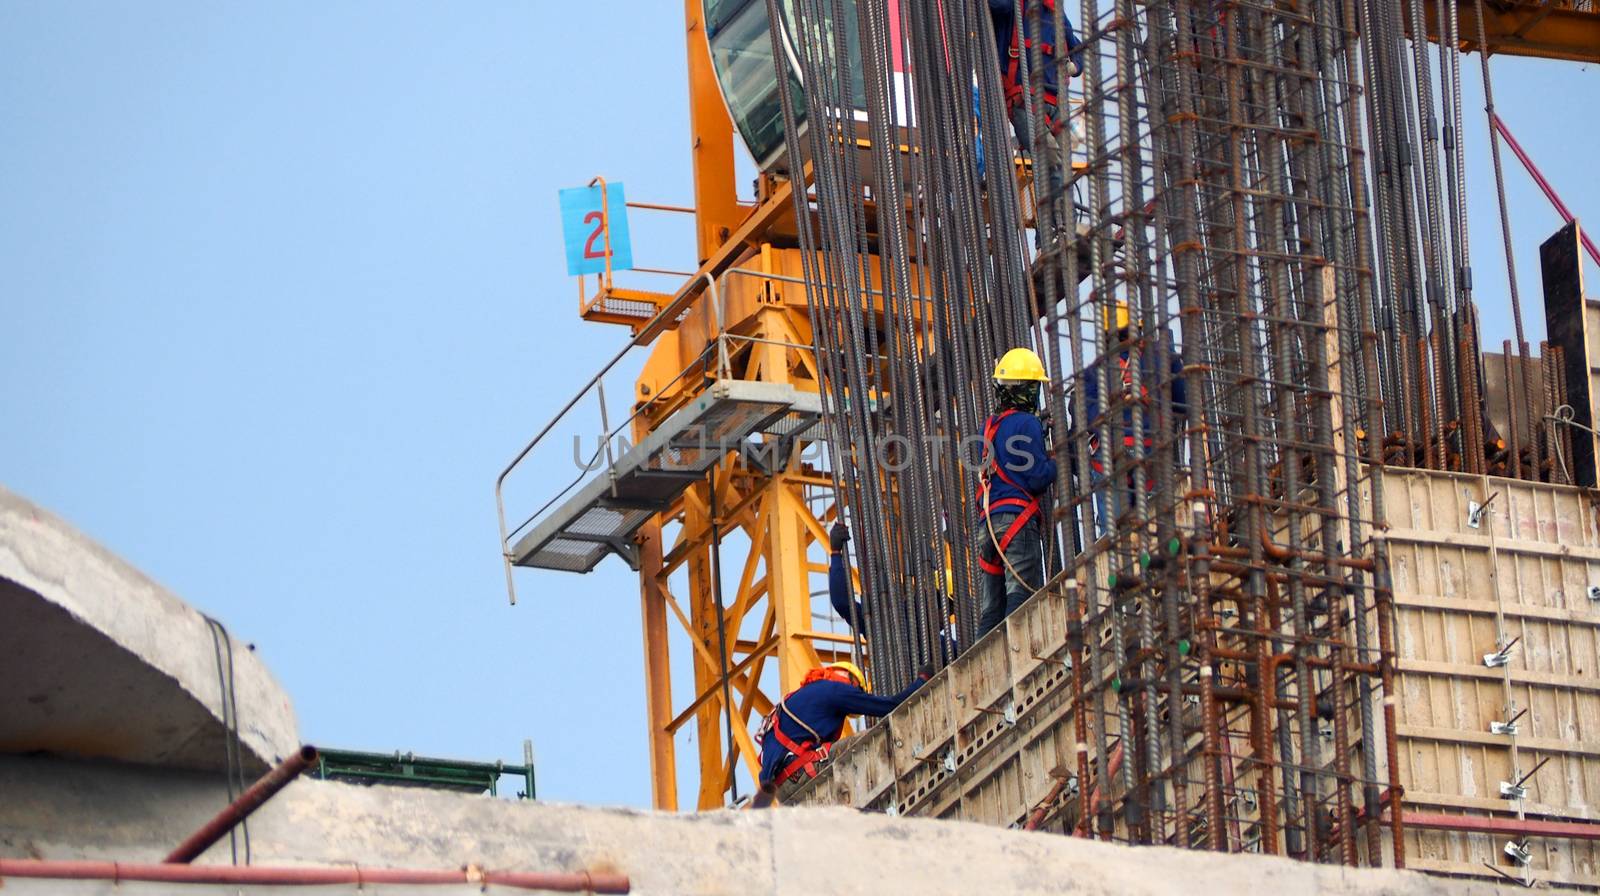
808, 721
1128, 343
1017, 471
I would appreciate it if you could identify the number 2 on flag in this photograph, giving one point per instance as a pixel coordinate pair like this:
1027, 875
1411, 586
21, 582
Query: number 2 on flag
591, 227
599, 220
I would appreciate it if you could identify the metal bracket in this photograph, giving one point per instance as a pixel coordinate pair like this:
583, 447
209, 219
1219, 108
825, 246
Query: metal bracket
950, 760
1011, 712
1475, 510
1519, 852
1508, 729
1513, 791
1594, 592
1502, 656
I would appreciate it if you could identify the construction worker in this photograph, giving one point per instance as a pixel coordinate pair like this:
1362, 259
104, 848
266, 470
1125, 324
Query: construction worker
1017, 471
854, 611
807, 722
1013, 42
1125, 337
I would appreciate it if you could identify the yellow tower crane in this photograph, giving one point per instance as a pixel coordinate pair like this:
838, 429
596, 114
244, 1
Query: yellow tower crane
728, 403
722, 423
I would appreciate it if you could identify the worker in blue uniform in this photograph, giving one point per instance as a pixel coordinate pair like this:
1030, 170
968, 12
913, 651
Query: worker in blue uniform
1017, 472
851, 610
808, 721
854, 611
1013, 40
1120, 377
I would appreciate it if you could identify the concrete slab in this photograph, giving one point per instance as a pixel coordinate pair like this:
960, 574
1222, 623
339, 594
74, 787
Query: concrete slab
98, 660
103, 812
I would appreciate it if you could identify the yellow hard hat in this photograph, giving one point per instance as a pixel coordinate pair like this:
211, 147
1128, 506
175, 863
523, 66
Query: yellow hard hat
1117, 317
855, 672
1021, 364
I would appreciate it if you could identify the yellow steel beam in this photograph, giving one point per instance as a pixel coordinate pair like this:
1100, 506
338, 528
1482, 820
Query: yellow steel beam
827, 637
740, 671
689, 538
770, 215
716, 199
774, 579
1545, 29
702, 624
657, 670
788, 581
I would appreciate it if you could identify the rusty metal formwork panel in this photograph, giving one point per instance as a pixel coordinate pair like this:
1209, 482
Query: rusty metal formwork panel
860, 773
1466, 585
1233, 359
1485, 570
988, 739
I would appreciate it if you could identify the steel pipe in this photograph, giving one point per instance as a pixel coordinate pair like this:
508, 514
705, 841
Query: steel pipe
240, 809
562, 882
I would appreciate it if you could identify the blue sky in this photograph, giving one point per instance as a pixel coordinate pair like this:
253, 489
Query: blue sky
283, 289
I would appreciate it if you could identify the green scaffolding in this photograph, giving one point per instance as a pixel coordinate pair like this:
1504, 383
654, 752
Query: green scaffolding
411, 770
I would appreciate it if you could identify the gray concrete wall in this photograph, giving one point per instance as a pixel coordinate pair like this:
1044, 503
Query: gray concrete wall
98, 660
56, 809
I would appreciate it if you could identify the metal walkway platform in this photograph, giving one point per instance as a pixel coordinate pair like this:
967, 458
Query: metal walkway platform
602, 515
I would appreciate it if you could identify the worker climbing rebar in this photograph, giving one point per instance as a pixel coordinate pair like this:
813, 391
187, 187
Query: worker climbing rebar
1137, 431
1014, 42
1018, 471
802, 729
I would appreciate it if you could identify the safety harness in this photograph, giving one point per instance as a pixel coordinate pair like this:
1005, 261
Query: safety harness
1013, 72
1124, 363
807, 752
1030, 507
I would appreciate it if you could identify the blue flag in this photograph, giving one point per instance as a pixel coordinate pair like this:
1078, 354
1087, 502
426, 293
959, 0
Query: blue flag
588, 232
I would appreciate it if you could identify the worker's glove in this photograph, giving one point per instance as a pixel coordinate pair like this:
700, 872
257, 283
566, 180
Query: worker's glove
925, 671
838, 537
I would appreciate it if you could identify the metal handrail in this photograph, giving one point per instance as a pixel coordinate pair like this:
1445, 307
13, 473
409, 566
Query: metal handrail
604, 281
661, 207
499, 483
719, 342
604, 448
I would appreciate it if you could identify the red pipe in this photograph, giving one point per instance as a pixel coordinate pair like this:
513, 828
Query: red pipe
1438, 821
564, 882
1036, 817
236, 811
1538, 178
1085, 827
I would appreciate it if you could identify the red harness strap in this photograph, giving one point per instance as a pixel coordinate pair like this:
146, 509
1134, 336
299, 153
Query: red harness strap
1013, 71
1128, 441
805, 757
1030, 507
